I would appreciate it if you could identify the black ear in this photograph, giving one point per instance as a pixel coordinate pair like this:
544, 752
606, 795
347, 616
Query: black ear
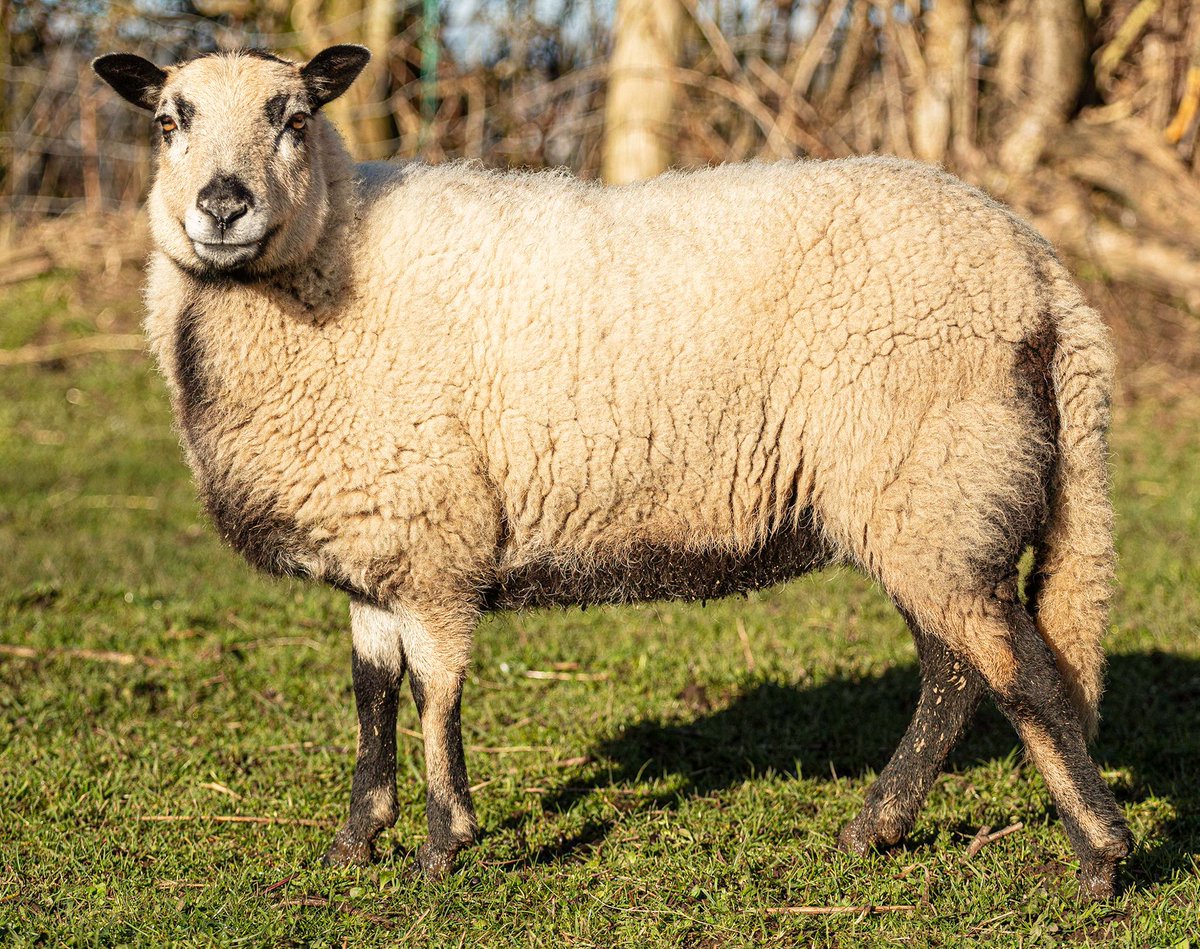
328, 74
134, 78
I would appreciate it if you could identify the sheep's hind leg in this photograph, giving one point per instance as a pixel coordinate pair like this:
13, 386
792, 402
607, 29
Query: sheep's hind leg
999, 637
950, 693
377, 665
1036, 701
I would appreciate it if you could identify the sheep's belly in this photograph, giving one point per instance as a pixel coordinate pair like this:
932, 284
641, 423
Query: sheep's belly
658, 572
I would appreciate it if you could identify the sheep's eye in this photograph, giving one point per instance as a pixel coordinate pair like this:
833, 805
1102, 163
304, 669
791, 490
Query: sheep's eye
167, 123
297, 121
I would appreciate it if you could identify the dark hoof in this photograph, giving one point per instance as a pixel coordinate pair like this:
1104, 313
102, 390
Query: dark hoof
435, 863
348, 852
853, 839
1098, 871
1097, 883
861, 837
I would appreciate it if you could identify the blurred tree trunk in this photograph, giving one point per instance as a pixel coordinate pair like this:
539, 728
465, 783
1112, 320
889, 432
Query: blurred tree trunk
6, 123
641, 94
942, 111
1041, 72
370, 92
362, 114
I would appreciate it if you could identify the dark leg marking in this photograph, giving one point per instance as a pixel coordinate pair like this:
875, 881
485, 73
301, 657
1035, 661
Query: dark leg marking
373, 793
950, 693
1037, 704
448, 806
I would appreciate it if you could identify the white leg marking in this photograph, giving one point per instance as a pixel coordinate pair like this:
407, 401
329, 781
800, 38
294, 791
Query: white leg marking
379, 634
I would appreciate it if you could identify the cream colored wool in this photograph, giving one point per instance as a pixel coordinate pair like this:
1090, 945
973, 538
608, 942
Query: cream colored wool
448, 390
510, 369
529, 367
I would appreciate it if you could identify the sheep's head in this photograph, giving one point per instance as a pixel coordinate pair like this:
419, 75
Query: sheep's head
246, 161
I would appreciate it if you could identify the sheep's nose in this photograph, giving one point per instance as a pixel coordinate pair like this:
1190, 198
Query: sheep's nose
224, 199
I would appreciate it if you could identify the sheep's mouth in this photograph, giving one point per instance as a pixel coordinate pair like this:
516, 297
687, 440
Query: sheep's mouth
220, 250
227, 254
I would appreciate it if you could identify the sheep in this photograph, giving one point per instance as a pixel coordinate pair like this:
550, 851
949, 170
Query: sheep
448, 391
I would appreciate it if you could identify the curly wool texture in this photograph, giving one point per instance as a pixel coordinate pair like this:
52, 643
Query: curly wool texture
532, 389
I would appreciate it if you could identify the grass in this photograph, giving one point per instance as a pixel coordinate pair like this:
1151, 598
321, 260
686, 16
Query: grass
683, 788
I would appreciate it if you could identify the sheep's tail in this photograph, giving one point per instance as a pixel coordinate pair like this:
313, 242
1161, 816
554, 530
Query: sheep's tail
1075, 559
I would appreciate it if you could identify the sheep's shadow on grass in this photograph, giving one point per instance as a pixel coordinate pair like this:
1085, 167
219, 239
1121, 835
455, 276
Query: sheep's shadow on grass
848, 727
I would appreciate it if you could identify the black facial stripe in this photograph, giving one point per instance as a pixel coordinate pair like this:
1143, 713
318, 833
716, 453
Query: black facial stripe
296, 135
275, 108
186, 112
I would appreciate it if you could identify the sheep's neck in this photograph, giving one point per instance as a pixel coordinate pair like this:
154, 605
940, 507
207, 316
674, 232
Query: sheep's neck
261, 379
317, 283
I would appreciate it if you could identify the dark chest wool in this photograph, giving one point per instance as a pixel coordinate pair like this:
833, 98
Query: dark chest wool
246, 517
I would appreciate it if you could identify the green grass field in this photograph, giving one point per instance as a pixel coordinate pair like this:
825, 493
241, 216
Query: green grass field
682, 783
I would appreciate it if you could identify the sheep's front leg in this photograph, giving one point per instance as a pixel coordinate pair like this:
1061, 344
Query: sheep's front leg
378, 666
437, 659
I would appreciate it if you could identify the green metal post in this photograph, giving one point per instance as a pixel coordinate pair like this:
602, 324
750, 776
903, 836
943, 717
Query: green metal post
429, 66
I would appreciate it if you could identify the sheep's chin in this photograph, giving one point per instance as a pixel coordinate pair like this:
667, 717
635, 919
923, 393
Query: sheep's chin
227, 256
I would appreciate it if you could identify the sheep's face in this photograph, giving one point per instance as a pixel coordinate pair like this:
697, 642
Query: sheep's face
242, 179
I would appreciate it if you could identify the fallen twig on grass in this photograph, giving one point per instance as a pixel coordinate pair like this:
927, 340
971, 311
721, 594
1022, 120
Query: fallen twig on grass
984, 837
91, 655
903, 874
507, 749
976, 930
977, 841
235, 819
220, 788
566, 676
52, 352
870, 909
277, 641
475, 788
746, 650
